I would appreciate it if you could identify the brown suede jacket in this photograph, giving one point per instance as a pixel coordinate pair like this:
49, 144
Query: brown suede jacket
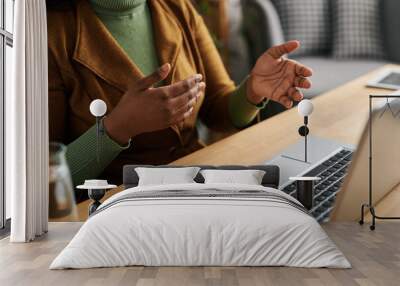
86, 63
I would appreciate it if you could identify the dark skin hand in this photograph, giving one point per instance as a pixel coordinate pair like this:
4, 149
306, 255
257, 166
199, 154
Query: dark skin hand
145, 108
277, 78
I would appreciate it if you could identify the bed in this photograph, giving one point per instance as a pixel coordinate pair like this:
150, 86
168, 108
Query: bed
201, 224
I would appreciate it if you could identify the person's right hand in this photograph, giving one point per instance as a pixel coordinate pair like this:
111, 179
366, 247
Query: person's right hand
144, 108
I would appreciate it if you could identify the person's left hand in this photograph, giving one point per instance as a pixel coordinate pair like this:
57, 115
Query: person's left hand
277, 78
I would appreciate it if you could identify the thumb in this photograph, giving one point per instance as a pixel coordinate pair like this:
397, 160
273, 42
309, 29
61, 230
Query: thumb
160, 74
278, 51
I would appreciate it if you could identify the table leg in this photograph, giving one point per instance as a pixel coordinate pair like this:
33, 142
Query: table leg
96, 196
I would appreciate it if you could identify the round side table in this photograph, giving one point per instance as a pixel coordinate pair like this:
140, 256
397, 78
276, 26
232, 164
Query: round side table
96, 190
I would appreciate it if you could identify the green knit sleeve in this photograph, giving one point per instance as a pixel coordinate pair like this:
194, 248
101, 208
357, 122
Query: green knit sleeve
82, 158
241, 111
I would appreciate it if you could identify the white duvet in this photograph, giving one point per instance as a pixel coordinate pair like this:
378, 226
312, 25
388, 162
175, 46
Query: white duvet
200, 231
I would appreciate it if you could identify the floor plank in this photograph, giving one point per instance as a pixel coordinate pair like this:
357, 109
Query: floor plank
375, 257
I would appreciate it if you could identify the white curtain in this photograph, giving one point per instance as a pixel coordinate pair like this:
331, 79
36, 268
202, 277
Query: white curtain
27, 142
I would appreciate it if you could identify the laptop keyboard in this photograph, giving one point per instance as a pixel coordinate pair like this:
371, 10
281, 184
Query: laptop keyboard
332, 172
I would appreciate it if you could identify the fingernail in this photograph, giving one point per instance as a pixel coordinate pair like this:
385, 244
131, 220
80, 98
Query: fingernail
190, 110
198, 77
164, 68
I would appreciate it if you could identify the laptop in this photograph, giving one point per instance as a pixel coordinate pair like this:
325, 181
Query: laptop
344, 169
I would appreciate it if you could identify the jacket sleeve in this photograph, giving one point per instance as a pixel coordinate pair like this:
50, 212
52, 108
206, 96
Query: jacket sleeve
83, 158
214, 112
225, 106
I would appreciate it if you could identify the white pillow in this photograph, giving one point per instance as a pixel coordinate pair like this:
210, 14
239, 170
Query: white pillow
247, 177
166, 176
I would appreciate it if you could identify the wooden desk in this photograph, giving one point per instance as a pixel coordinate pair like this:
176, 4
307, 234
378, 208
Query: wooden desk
340, 114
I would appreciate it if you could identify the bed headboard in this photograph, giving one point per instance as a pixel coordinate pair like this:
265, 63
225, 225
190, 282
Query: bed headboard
270, 179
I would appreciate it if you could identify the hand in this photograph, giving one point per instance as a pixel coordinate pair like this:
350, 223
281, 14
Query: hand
144, 108
276, 78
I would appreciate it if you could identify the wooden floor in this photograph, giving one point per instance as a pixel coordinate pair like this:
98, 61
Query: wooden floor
375, 257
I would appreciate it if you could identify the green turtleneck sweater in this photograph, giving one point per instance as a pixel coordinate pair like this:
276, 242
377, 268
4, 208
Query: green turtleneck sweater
130, 23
